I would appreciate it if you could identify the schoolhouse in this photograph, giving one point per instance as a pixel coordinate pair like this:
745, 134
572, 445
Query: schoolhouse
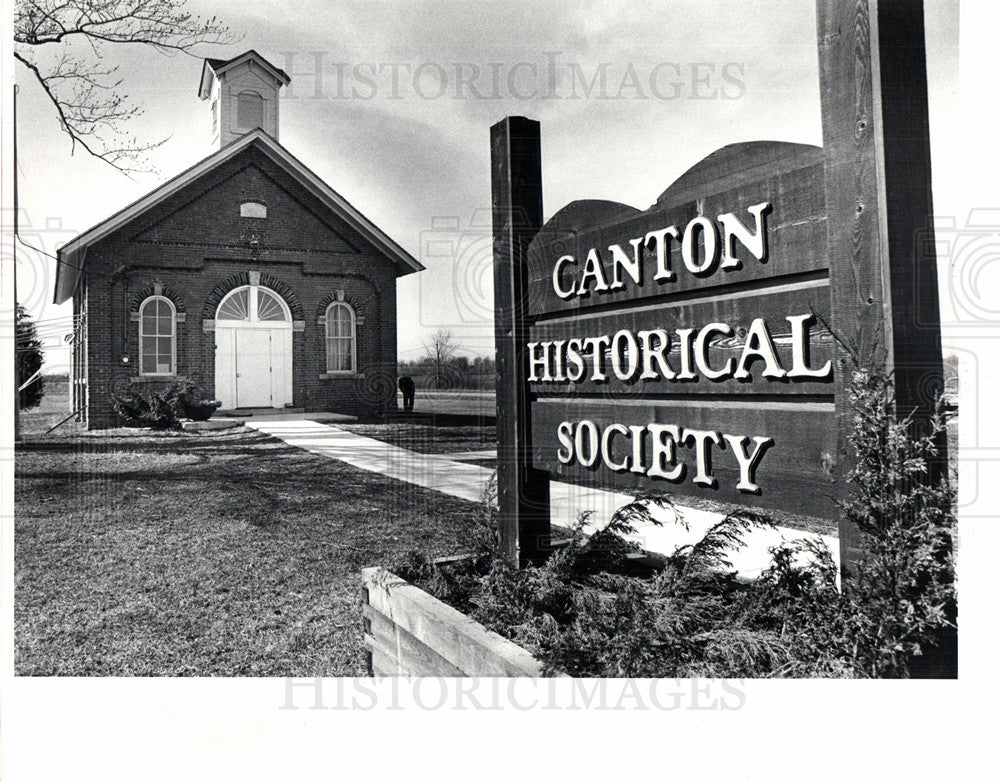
246, 273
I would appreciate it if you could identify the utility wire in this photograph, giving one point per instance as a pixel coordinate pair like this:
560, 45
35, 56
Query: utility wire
55, 258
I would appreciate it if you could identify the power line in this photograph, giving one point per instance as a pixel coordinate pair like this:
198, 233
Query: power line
55, 258
27, 323
51, 325
57, 319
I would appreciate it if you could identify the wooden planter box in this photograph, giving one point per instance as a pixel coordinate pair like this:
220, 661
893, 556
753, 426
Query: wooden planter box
408, 632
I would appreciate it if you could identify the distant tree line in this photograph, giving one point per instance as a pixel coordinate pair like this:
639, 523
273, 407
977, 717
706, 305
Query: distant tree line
439, 368
454, 373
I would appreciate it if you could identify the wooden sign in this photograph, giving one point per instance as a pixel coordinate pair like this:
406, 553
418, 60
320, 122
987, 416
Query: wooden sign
689, 348
686, 348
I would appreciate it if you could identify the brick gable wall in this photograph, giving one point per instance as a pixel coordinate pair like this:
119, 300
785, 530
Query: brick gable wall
194, 247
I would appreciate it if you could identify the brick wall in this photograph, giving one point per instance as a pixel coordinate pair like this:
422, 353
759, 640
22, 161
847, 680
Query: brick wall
195, 247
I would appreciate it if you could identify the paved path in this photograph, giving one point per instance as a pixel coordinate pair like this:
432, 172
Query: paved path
472, 456
467, 481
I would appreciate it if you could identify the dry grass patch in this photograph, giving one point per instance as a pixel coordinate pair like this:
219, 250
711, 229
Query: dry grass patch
441, 434
225, 553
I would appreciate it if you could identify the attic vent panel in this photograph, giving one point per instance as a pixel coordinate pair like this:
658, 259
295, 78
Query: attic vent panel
253, 209
249, 110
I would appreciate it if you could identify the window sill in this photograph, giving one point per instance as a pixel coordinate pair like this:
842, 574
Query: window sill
337, 375
152, 378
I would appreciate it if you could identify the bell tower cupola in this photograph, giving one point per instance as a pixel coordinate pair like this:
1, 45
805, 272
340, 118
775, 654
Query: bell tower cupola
243, 94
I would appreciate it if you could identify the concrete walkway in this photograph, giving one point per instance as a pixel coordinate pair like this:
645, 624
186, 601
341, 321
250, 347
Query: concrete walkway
468, 482
472, 456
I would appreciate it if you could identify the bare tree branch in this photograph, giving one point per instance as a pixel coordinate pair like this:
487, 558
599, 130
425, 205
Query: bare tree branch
83, 91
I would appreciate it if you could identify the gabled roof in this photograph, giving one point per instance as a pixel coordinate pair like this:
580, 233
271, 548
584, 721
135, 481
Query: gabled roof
221, 66
72, 255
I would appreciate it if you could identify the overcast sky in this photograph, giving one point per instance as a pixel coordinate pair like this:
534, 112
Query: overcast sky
398, 120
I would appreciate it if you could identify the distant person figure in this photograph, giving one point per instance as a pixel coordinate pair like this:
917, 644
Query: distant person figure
409, 390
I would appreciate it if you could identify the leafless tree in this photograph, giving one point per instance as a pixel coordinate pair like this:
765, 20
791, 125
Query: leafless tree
440, 350
62, 43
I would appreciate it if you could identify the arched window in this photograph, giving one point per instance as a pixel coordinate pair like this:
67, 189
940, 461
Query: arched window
253, 304
157, 337
340, 338
249, 110
236, 306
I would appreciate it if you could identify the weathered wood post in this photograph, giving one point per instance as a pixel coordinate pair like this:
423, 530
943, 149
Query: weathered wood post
883, 280
523, 493
873, 87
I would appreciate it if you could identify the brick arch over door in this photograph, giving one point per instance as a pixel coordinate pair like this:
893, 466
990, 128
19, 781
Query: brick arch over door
220, 291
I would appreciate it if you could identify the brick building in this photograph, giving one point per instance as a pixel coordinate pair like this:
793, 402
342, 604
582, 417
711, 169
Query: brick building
246, 273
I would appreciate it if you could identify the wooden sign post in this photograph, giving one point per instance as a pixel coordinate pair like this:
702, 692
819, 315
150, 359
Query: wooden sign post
693, 347
873, 86
522, 492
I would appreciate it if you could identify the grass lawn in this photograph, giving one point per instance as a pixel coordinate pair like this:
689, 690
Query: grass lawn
227, 553
438, 434
54, 407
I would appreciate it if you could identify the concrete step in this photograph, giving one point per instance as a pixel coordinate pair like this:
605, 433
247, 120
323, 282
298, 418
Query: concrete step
246, 412
210, 425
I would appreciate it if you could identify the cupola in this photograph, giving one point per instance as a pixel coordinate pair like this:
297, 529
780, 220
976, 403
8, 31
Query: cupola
243, 93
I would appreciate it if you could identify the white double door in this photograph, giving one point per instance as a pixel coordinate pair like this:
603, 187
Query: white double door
253, 365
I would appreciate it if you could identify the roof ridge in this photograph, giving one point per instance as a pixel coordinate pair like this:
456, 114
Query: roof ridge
72, 254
